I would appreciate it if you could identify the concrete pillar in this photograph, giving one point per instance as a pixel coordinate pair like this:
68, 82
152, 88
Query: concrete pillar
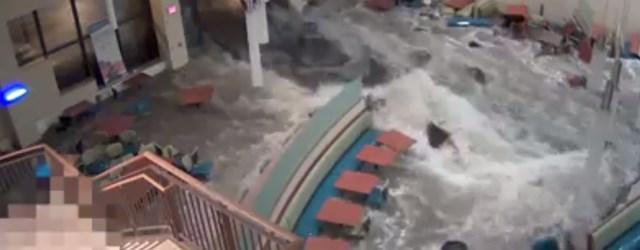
167, 19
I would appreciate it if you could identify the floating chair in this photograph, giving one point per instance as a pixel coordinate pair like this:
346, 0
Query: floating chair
93, 160
186, 162
202, 171
360, 231
378, 196
130, 140
140, 107
115, 150
169, 152
150, 147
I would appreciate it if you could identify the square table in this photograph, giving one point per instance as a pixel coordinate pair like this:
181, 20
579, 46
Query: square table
519, 10
195, 95
77, 109
137, 81
458, 4
341, 212
114, 125
324, 243
377, 156
357, 182
395, 140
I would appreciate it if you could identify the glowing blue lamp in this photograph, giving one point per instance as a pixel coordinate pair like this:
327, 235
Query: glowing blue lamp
13, 93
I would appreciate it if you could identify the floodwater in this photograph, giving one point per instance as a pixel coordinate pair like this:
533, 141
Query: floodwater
517, 170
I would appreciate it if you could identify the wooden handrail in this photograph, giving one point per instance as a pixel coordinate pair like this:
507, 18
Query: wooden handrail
190, 183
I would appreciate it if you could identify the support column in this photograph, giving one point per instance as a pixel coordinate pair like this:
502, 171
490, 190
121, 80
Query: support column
257, 34
167, 20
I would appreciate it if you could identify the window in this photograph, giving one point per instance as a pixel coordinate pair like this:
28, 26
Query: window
90, 12
23, 32
69, 66
136, 33
58, 25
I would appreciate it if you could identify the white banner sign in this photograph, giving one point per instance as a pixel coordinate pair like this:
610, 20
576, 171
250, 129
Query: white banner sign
107, 51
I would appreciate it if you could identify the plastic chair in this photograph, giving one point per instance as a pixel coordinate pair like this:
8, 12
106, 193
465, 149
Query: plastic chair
378, 196
150, 147
202, 171
169, 152
140, 107
186, 161
115, 150
128, 136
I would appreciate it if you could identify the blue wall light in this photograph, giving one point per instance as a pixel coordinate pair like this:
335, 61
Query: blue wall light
13, 93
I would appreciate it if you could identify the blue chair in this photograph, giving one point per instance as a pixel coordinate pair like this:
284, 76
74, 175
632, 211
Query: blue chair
139, 107
377, 197
202, 171
43, 171
459, 21
547, 243
97, 167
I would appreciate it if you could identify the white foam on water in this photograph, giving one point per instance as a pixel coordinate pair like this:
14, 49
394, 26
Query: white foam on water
486, 192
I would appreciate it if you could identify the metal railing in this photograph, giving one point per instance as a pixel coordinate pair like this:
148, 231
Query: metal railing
148, 195
152, 193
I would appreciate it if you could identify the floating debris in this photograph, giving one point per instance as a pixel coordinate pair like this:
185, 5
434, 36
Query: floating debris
437, 135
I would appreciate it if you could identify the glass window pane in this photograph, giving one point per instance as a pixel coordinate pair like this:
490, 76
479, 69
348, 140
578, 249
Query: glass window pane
68, 66
138, 42
58, 26
129, 9
24, 37
90, 12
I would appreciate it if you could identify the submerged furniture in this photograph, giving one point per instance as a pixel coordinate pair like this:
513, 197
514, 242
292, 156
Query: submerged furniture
457, 4
324, 243
202, 171
341, 212
395, 140
195, 95
357, 182
114, 125
377, 156
137, 81
459, 21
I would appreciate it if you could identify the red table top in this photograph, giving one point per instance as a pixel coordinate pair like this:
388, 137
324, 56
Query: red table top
116, 124
458, 4
196, 94
597, 31
137, 80
517, 10
396, 140
380, 156
357, 182
342, 212
323, 243
635, 43
77, 109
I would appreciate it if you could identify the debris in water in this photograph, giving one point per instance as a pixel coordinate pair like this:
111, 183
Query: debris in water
437, 135
577, 81
474, 44
478, 75
454, 245
380, 5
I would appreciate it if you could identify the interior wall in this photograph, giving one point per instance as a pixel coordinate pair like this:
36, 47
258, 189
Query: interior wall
45, 102
559, 10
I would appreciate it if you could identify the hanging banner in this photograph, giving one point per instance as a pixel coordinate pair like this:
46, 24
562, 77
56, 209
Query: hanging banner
107, 51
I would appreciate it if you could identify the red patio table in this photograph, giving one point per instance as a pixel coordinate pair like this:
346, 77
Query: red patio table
195, 95
341, 212
458, 4
115, 124
395, 140
517, 10
77, 109
324, 243
357, 182
378, 156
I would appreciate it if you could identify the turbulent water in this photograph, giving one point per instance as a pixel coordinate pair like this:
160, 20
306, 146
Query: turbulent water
517, 170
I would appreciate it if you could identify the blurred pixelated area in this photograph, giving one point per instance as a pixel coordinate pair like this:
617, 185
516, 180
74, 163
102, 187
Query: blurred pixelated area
60, 214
